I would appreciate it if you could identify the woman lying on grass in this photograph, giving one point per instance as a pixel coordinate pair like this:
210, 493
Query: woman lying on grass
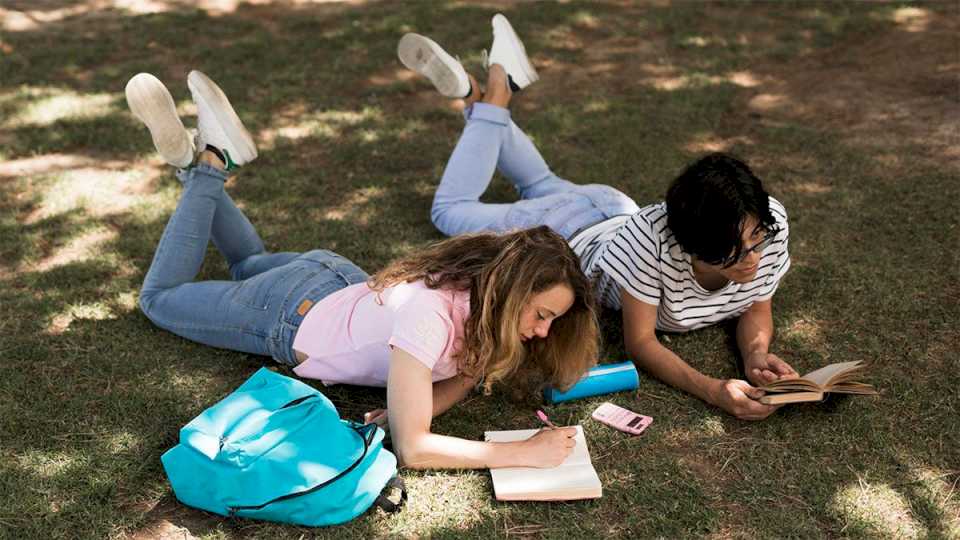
715, 249
462, 313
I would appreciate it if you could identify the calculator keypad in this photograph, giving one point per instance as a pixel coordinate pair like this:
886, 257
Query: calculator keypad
622, 419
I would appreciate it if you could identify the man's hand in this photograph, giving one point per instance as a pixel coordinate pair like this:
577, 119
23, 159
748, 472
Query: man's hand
739, 399
762, 368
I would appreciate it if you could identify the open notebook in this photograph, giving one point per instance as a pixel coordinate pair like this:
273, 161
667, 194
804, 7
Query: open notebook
575, 478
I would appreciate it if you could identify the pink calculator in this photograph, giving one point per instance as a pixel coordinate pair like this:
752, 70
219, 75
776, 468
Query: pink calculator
619, 418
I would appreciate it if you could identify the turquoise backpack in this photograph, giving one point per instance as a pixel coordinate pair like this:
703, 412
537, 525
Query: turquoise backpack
276, 449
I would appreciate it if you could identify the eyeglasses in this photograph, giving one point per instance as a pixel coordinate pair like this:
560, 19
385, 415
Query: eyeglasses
758, 247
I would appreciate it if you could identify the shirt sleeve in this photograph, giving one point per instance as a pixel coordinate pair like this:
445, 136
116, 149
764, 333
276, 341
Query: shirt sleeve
781, 245
423, 328
633, 260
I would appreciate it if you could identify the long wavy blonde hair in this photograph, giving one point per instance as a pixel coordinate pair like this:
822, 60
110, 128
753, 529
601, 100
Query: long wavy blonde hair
502, 273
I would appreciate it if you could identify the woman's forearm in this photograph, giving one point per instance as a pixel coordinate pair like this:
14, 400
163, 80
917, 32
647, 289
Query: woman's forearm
432, 451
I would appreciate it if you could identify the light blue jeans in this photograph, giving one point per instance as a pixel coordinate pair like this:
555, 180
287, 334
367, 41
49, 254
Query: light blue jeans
492, 141
255, 312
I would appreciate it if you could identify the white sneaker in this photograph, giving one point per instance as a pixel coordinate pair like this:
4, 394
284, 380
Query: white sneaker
151, 102
423, 55
218, 124
508, 51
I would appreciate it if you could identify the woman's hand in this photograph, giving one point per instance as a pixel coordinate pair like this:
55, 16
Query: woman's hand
740, 399
376, 416
549, 447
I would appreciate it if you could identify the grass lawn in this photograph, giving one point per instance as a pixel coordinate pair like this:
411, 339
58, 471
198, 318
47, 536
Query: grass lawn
850, 112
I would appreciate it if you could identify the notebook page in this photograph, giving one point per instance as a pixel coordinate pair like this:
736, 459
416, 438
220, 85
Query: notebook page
575, 474
559, 483
579, 456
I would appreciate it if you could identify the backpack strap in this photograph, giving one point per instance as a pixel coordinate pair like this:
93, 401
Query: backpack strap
385, 503
366, 433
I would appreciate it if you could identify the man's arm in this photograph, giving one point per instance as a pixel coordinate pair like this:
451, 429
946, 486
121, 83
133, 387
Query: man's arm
754, 334
640, 339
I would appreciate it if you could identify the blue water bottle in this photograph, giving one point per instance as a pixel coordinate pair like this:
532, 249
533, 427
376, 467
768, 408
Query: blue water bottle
600, 379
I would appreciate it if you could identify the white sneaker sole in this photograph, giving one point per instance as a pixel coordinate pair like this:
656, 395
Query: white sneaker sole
151, 102
208, 95
528, 75
423, 55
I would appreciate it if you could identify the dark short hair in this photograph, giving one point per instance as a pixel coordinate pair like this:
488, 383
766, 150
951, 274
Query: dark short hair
708, 203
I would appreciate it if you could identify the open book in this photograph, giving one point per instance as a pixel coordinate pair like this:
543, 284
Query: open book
575, 478
811, 387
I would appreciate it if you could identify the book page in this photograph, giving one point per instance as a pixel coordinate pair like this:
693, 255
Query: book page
827, 374
792, 397
791, 385
575, 478
853, 388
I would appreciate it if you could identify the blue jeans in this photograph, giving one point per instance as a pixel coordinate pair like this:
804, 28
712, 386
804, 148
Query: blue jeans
258, 310
491, 141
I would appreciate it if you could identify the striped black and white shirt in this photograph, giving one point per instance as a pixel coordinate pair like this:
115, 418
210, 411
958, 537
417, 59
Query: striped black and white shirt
640, 255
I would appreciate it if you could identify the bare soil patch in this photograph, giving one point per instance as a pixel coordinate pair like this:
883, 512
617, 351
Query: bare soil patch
895, 91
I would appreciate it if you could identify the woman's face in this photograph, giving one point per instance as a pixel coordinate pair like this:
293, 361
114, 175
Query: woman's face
543, 307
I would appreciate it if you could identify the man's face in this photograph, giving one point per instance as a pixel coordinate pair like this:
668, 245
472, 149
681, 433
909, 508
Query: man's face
744, 270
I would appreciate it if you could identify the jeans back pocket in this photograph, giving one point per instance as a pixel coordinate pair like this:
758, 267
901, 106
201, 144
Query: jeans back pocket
263, 290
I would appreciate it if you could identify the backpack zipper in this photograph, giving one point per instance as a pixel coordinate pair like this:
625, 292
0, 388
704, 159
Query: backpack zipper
299, 400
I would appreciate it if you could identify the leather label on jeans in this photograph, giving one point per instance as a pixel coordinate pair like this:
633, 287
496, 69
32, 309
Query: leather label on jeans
304, 307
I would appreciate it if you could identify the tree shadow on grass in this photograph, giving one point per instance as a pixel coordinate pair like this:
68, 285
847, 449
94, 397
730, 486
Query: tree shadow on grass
355, 149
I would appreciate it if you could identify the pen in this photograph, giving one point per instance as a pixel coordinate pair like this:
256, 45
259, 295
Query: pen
543, 418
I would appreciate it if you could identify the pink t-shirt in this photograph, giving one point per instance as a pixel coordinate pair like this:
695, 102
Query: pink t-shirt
347, 336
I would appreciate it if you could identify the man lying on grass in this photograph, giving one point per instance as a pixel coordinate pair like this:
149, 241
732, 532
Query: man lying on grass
715, 249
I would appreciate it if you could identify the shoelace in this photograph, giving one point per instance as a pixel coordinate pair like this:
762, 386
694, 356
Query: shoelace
198, 144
